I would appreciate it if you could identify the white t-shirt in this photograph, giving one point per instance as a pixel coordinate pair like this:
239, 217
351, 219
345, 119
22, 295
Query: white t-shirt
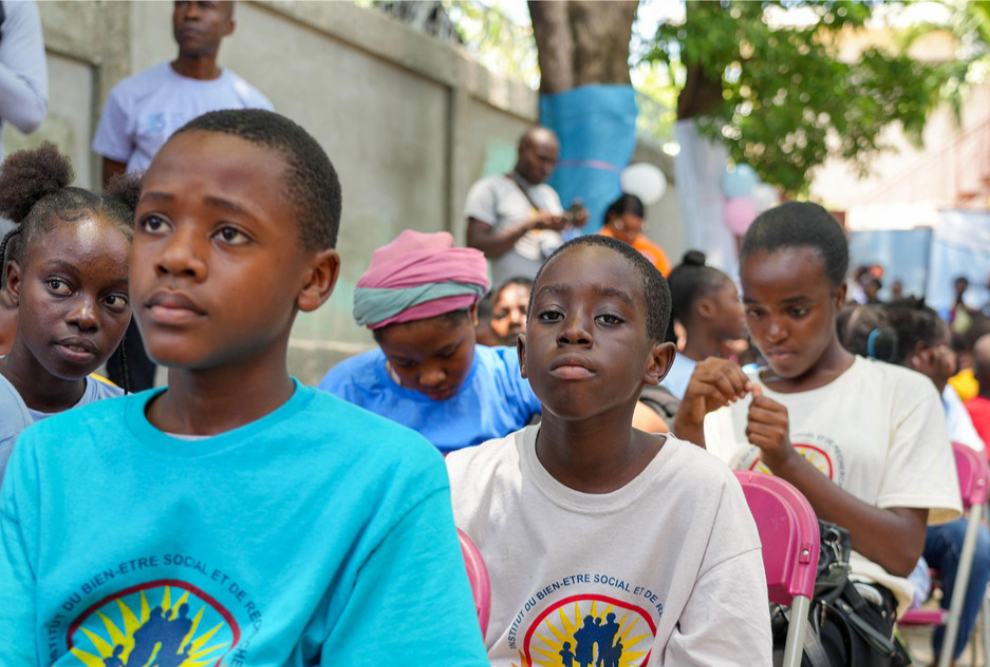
878, 431
500, 202
674, 555
144, 110
23, 69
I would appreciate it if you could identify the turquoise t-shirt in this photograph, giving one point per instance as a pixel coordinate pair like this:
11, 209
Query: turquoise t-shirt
494, 400
317, 535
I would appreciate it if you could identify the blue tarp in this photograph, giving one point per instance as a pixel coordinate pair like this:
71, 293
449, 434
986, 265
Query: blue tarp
597, 130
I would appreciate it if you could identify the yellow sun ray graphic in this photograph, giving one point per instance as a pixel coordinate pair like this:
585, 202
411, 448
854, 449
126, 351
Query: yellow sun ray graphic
88, 659
101, 645
131, 623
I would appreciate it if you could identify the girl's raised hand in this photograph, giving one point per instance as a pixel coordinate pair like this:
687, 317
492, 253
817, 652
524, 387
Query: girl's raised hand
714, 384
768, 428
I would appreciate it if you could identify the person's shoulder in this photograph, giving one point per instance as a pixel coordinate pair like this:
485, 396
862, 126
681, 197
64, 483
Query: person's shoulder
142, 83
249, 95
99, 388
356, 370
895, 379
500, 358
336, 420
480, 461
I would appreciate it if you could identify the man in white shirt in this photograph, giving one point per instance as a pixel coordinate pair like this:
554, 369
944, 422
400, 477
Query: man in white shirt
144, 110
516, 219
23, 72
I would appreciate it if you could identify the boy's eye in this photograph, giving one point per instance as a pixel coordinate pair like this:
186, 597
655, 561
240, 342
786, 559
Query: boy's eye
153, 224
550, 316
753, 313
232, 235
610, 319
799, 312
401, 363
58, 286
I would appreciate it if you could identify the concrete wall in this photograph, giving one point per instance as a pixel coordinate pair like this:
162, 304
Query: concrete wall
409, 122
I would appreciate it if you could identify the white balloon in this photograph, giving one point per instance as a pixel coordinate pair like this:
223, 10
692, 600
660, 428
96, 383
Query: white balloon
645, 181
765, 196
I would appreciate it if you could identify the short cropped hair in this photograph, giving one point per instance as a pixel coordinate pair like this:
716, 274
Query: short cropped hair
801, 225
311, 183
655, 290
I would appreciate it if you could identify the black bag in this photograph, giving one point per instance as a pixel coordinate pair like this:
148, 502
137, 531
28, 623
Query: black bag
844, 630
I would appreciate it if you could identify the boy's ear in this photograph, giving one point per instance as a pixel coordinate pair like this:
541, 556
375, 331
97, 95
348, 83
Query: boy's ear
705, 308
324, 272
473, 314
661, 359
840, 295
13, 282
521, 350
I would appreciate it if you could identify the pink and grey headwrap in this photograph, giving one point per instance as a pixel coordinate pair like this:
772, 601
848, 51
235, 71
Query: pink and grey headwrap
417, 276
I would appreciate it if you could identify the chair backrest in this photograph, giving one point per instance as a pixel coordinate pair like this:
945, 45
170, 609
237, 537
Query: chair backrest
973, 472
478, 575
789, 534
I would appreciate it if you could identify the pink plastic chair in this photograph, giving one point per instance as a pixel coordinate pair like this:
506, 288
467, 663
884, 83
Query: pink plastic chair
973, 476
789, 534
478, 575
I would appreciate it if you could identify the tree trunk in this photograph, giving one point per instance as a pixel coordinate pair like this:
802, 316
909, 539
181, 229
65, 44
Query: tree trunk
582, 42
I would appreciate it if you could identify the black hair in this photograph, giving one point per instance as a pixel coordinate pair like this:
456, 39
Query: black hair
453, 317
800, 225
865, 330
627, 203
35, 194
311, 184
691, 280
655, 290
915, 323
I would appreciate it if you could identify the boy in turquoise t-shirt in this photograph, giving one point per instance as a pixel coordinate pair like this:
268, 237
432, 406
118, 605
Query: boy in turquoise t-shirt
235, 518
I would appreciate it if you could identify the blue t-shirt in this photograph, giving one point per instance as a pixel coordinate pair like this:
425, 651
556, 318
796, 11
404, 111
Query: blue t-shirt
15, 415
318, 534
494, 401
676, 381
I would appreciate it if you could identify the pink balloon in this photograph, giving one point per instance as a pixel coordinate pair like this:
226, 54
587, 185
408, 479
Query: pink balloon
739, 213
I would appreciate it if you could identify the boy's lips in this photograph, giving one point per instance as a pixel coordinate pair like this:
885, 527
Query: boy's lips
167, 307
572, 367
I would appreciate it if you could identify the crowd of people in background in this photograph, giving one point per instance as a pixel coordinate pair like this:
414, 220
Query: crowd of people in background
571, 404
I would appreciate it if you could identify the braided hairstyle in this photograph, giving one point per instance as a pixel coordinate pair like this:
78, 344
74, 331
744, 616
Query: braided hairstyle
35, 193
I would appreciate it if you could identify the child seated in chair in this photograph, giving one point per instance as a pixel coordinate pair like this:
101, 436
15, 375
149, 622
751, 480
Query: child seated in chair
606, 544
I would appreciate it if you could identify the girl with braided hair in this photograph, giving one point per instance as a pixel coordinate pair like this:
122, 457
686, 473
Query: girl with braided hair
65, 268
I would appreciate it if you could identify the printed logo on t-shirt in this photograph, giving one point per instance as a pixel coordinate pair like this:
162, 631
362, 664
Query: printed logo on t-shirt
165, 623
153, 123
819, 450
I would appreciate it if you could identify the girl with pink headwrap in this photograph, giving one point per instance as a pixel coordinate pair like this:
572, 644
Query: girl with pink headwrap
420, 298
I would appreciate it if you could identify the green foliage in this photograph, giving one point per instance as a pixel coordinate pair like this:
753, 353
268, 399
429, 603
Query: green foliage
780, 95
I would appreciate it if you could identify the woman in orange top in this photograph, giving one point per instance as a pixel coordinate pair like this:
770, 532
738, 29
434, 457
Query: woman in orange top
624, 221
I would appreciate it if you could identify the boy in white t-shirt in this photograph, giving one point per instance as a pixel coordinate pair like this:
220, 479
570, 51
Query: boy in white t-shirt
605, 544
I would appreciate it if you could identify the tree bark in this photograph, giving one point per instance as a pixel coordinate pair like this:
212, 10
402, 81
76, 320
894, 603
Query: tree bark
582, 42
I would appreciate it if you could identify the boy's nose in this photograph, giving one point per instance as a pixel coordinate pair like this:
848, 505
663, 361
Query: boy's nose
181, 257
432, 377
576, 331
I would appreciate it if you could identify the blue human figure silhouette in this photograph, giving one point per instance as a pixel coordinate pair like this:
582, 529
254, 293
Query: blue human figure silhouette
171, 639
614, 653
585, 638
147, 637
567, 656
606, 638
114, 660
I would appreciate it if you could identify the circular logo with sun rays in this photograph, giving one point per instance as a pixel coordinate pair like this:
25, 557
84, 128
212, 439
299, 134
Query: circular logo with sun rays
586, 630
166, 623
816, 456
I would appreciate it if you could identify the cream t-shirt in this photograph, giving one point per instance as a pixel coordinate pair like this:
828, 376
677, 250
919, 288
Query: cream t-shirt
666, 570
878, 431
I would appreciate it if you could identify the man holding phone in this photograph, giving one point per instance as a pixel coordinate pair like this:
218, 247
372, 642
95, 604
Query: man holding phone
516, 219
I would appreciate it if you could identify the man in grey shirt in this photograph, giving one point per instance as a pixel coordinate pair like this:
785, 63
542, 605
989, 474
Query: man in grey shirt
516, 219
